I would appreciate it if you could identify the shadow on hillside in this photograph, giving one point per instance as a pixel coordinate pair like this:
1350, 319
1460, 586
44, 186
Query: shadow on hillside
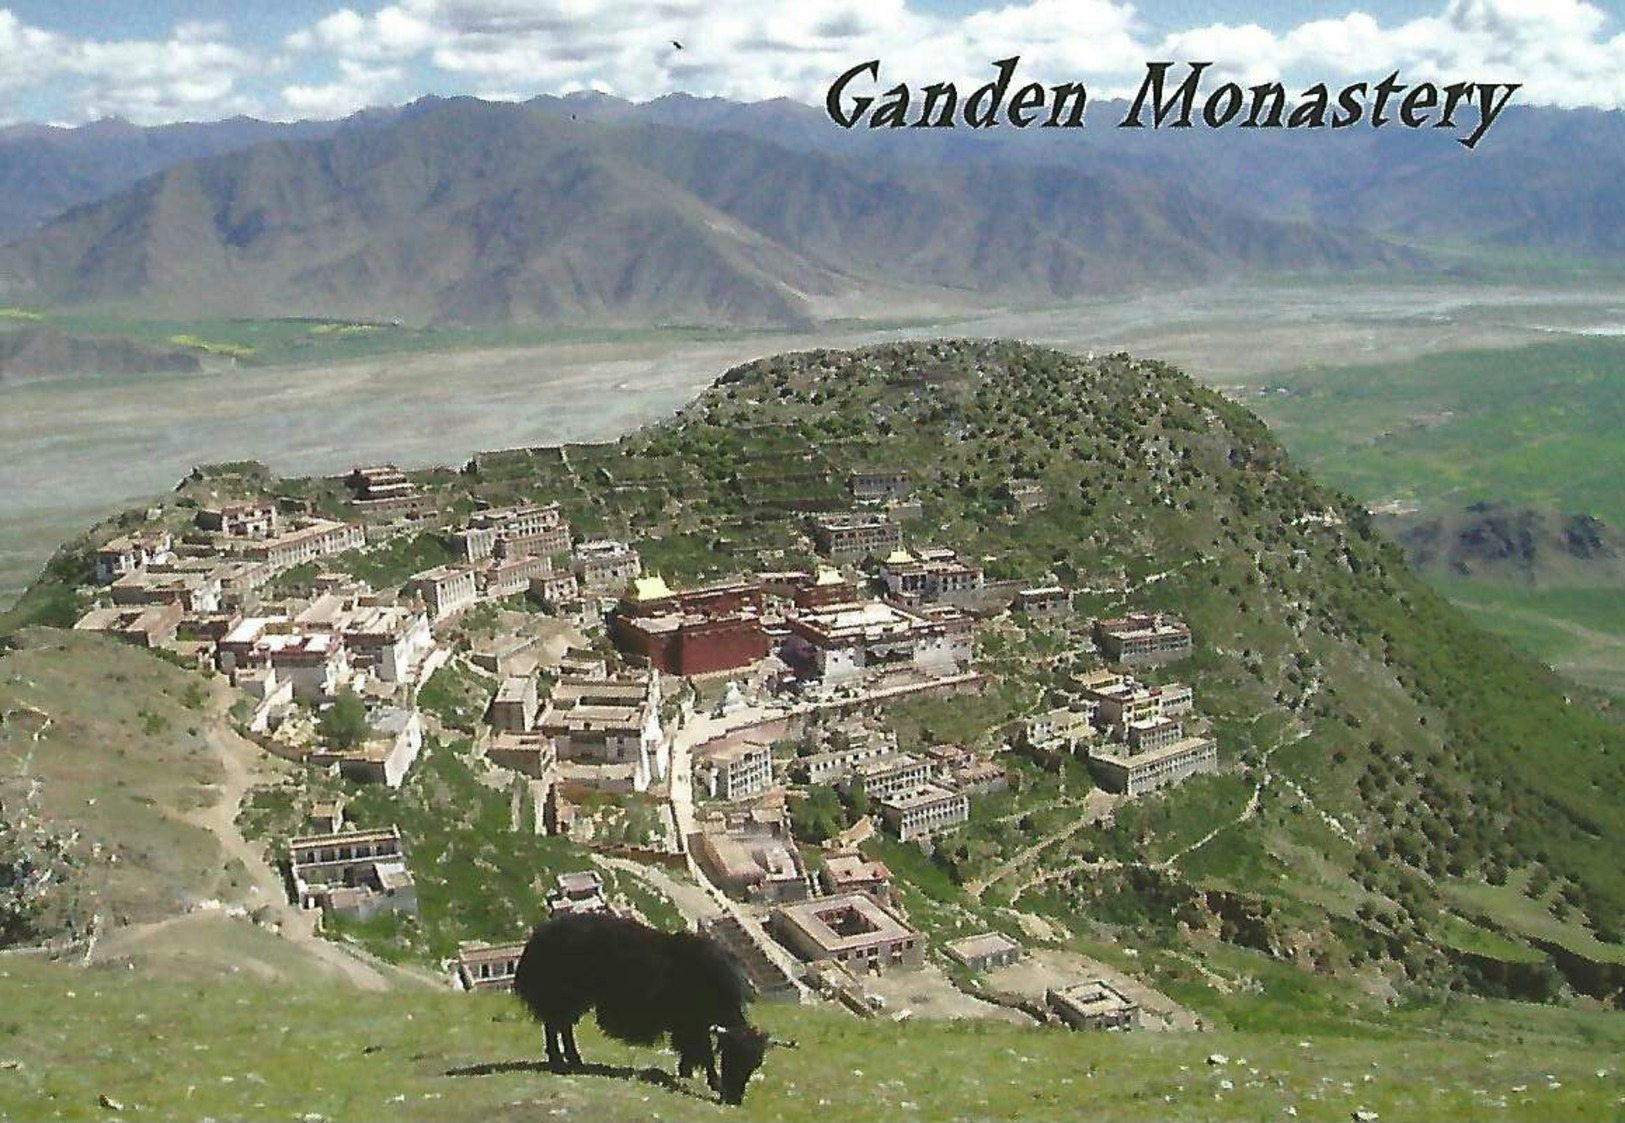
658, 1077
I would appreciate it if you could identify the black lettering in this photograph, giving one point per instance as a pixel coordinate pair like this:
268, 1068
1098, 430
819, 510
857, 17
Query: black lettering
1027, 99
1351, 102
1277, 107
832, 103
1488, 110
1454, 95
1386, 89
1065, 90
945, 119
1223, 104
1425, 96
892, 113
1186, 95
994, 89
1311, 113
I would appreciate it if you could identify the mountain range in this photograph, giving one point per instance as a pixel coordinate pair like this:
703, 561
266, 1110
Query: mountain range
1508, 544
686, 210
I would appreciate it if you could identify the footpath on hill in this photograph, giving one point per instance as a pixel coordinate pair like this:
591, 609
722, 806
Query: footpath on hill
262, 898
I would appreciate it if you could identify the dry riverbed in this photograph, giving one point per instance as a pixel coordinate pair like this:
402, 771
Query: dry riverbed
76, 449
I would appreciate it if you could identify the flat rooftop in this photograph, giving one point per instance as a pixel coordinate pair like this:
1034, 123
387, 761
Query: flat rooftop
1093, 997
604, 549
571, 691
889, 762
855, 867
347, 838
919, 797
845, 922
380, 620
446, 572
976, 947
733, 750
1129, 627
1118, 754
515, 688
250, 628
855, 520
476, 953
593, 719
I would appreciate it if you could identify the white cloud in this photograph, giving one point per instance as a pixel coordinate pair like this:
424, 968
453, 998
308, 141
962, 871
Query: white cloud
1566, 52
1556, 48
194, 74
357, 87
773, 48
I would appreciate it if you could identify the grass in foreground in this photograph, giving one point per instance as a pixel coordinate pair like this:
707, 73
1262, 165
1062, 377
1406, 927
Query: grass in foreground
240, 1050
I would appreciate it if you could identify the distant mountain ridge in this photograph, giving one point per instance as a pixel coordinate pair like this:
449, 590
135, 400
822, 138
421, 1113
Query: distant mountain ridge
1503, 543
466, 212
1549, 179
46, 170
588, 208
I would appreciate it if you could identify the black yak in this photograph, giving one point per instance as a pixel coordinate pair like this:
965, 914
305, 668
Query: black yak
645, 984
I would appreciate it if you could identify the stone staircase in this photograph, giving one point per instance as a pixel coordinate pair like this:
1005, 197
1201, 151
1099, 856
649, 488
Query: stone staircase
769, 978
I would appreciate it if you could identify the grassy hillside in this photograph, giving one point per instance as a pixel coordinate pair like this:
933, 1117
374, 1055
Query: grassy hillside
1410, 810
1379, 747
1535, 428
210, 1047
1391, 744
111, 742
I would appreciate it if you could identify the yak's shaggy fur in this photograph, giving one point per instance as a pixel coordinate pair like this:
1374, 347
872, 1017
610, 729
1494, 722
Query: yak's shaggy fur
644, 984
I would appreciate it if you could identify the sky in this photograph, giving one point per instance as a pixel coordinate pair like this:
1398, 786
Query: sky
158, 61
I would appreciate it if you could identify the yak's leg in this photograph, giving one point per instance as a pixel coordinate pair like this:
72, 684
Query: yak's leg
693, 1051
555, 1058
571, 1053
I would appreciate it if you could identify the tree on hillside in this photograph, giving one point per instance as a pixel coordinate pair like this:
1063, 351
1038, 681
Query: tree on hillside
817, 815
344, 723
856, 800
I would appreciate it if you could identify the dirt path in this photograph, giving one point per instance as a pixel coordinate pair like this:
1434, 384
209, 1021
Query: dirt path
697, 731
243, 766
692, 901
1253, 804
1097, 805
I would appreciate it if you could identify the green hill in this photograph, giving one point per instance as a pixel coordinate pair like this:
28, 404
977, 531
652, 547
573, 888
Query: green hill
1412, 817
1499, 467
1396, 749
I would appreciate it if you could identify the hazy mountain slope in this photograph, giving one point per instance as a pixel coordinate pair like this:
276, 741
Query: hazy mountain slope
467, 212
45, 171
1543, 179
462, 212
995, 229
40, 352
